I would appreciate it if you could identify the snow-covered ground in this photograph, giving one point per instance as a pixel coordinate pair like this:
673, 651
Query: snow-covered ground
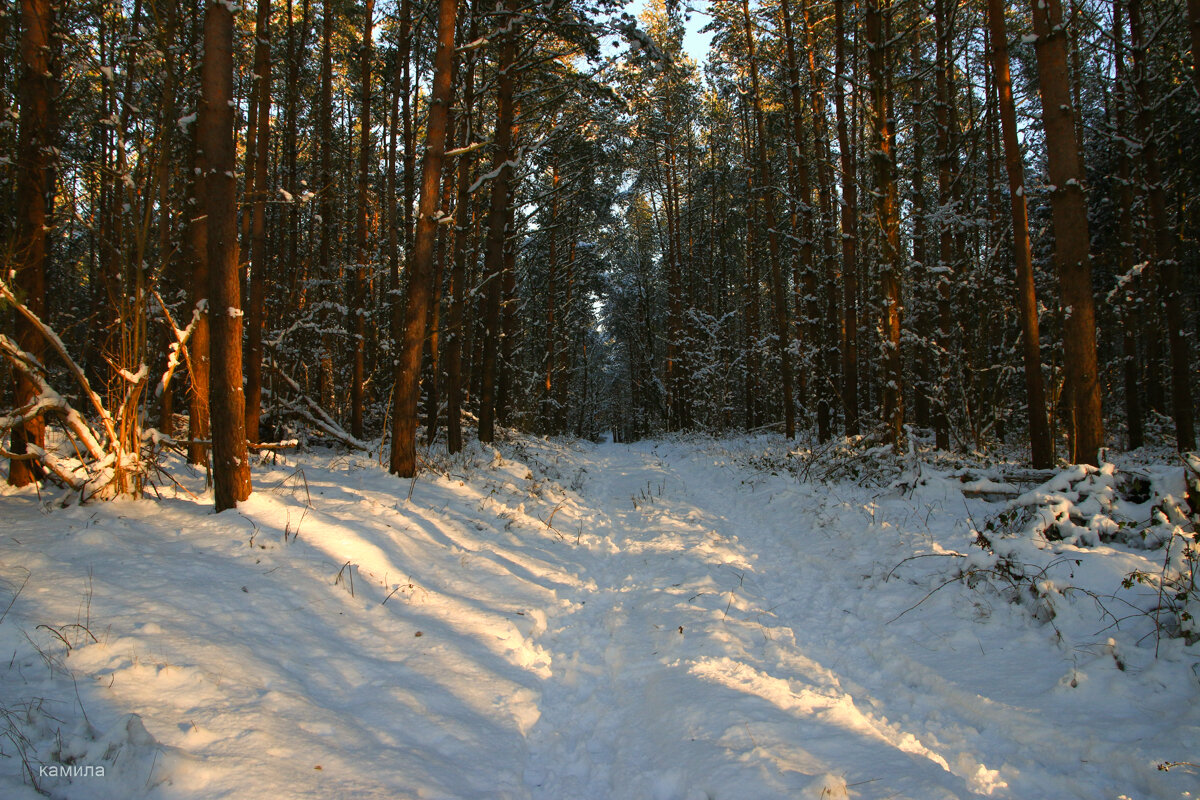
665, 620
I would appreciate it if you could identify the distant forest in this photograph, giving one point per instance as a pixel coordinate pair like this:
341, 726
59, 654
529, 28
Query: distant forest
962, 224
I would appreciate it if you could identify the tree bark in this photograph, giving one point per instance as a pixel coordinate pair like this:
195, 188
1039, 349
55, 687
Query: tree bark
502, 167
1041, 448
887, 209
327, 190
1163, 241
196, 244
455, 328
258, 226
231, 467
358, 299
1068, 206
1126, 234
35, 182
849, 333
767, 201
805, 283
408, 366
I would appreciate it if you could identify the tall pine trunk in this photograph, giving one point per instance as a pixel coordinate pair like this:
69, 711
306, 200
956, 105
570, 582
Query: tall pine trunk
258, 226
497, 217
849, 334
1068, 206
1125, 228
767, 202
887, 210
1163, 240
231, 467
35, 181
358, 294
1041, 448
327, 192
420, 279
455, 328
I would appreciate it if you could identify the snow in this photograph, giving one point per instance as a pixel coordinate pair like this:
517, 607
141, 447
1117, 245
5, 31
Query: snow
553, 620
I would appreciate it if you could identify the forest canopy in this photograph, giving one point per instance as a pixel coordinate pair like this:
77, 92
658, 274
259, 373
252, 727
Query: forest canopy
962, 224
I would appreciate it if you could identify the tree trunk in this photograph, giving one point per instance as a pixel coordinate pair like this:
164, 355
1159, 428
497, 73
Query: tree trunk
947, 159
1126, 234
433, 351
258, 225
828, 216
1162, 255
849, 334
767, 201
887, 204
1041, 448
508, 326
753, 358
455, 328
547, 413
35, 182
327, 192
1068, 206
199, 430
408, 366
358, 299
805, 284
497, 216
231, 467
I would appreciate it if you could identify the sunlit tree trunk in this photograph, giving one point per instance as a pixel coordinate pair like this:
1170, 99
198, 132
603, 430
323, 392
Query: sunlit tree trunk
35, 181
1041, 448
196, 251
231, 467
408, 366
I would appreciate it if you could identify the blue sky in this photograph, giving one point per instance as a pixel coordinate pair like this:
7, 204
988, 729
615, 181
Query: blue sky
695, 43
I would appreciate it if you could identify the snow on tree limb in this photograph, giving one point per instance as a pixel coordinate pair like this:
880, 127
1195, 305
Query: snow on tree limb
47, 399
57, 343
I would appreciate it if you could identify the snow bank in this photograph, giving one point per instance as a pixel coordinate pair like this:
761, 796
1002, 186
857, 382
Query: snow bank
680, 619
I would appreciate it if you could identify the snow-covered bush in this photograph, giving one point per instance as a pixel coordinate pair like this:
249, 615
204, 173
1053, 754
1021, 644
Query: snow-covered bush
1033, 548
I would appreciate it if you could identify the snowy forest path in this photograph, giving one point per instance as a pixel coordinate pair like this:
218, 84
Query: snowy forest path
679, 619
653, 666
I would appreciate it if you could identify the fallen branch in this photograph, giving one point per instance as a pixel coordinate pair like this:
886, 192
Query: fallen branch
315, 415
57, 343
48, 399
62, 471
332, 429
